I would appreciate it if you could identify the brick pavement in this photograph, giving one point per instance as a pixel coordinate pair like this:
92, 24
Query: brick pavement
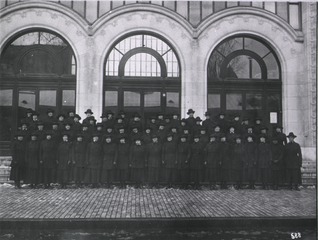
154, 203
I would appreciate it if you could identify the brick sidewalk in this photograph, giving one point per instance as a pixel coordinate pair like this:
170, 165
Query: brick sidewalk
154, 203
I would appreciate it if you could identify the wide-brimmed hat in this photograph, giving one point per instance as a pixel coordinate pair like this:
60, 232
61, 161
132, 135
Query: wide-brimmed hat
89, 111
190, 111
291, 134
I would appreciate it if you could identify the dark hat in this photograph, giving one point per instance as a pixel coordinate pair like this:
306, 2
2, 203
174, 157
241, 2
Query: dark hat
291, 134
274, 138
207, 113
34, 134
91, 118
54, 123
238, 137
154, 136
183, 136
79, 135
24, 122
221, 113
60, 115
216, 125
198, 119
65, 134
278, 126
122, 137
95, 134
214, 135
108, 136
231, 126
89, 111
77, 116
196, 136
222, 135
264, 128
183, 120
35, 114
110, 127
262, 136
250, 135
70, 111
39, 123
109, 112
121, 127
245, 119
67, 123
190, 111
29, 110
85, 125
49, 110
160, 114
19, 134
169, 135
121, 112
175, 114
136, 114
99, 124
48, 133
250, 126
104, 115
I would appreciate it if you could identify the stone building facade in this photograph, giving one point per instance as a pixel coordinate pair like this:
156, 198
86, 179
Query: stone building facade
193, 30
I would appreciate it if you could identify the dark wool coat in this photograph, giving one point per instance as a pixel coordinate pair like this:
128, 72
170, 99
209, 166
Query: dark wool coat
225, 158
293, 156
183, 155
154, 154
277, 156
264, 155
250, 153
212, 155
79, 153
18, 159
94, 154
41, 134
48, 153
137, 156
282, 139
238, 156
169, 154
109, 155
123, 156
33, 154
196, 155
64, 154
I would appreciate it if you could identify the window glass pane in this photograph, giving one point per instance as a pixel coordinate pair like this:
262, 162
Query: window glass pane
230, 46
27, 99
172, 99
214, 100
131, 99
273, 101
245, 3
142, 64
272, 67
255, 46
282, 10
233, 101
238, 67
73, 70
47, 98
253, 101
257, 4
152, 99
294, 15
68, 98
256, 70
218, 6
111, 98
270, 6
6, 97
37, 61
232, 4
5, 114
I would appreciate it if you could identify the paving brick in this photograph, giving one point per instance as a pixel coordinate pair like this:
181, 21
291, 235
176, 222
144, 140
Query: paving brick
153, 203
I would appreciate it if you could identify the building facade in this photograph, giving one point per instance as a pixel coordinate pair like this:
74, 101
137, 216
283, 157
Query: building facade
257, 59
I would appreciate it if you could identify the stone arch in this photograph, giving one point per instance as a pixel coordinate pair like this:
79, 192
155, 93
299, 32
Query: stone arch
285, 42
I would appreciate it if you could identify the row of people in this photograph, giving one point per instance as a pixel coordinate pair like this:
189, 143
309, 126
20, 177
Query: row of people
108, 120
168, 160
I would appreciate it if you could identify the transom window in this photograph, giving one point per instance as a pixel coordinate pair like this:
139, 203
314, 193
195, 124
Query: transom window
142, 74
244, 78
142, 55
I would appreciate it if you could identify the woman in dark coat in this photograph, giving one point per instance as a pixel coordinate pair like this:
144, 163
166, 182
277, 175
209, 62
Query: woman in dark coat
183, 159
64, 159
18, 160
277, 150
122, 161
94, 155
225, 161
33, 159
154, 160
109, 161
250, 153
169, 159
48, 154
196, 161
137, 160
211, 161
237, 162
79, 159
264, 161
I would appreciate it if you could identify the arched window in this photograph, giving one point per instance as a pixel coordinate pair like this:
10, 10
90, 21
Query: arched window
244, 77
37, 71
142, 75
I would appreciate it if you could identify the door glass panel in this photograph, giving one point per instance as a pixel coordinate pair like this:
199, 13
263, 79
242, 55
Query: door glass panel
27, 99
214, 100
111, 98
273, 101
131, 99
68, 98
253, 101
272, 67
255, 46
294, 15
234, 101
152, 99
172, 99
239, 67
47, 98
5, 114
